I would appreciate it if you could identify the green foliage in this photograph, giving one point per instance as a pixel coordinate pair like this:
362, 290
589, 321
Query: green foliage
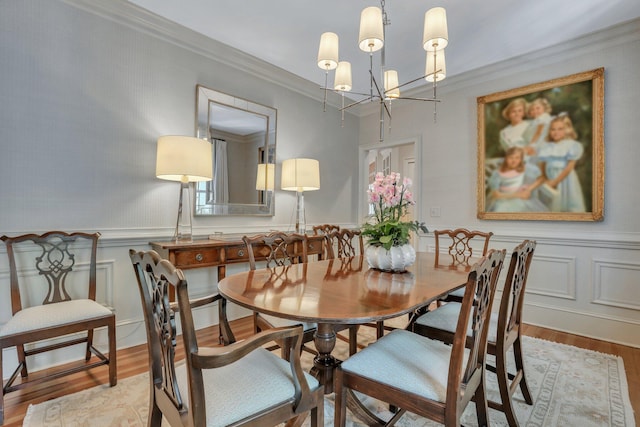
391, 198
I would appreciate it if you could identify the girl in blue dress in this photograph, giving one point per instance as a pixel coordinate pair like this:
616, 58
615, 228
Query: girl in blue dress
558, 157
512, 185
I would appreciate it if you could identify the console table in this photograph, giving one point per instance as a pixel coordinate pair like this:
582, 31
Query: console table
219, 252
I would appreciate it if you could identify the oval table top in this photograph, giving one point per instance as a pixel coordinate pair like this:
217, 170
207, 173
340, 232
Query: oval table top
344, 291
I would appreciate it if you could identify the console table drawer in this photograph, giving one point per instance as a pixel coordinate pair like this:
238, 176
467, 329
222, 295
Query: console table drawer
236, 253
194, 258
314, 247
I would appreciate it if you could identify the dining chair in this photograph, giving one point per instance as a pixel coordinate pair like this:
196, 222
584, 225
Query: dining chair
347, 243
461, 252
278, 249
238, 384
329, 245
344, 243
58, 269
413, 373
325, 229
504, 330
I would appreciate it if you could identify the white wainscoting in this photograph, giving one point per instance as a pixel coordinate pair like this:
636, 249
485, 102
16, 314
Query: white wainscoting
587, 289
581, 284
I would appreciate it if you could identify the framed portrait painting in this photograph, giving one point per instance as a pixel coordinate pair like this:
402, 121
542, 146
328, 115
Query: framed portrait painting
541, 150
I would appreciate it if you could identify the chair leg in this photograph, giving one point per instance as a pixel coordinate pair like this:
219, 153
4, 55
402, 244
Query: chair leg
503, 386
517, 353
379, 329
340, 414
480, 397
113, 366
353, 339
155, 414
317, 415
87, 354
22, 359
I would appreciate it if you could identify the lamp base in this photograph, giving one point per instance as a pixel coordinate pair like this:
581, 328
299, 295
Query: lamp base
300, 217
184, 230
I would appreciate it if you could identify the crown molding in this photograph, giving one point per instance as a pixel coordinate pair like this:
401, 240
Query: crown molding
141, 20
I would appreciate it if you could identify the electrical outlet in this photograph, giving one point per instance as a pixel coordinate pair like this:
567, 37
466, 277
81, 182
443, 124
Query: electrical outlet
435, 212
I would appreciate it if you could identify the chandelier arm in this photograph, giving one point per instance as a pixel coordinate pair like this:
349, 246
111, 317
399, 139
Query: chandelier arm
353, 104
352, 93
409, 98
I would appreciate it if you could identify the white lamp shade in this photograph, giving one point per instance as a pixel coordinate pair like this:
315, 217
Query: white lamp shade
371, 36
266, 176
436, 69
300, 175
391, 89
343, 77
184, 158
328, 51
436, 35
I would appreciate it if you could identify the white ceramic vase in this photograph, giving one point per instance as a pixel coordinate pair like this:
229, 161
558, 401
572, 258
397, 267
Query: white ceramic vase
396, 259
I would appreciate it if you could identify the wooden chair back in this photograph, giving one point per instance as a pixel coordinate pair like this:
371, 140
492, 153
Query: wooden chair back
461, 250
66, 274
277, 248
466, 374
344, 244
325, 229
512, 301
55, 262
505, 332
474, 316
155, 277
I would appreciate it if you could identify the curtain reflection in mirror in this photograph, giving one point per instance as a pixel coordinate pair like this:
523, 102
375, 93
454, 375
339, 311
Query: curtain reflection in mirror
220, 183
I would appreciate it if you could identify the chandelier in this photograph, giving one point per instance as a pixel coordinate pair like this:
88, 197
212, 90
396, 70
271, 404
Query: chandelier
373, 23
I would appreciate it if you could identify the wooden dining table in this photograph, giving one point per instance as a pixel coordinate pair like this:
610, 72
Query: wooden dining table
342, 291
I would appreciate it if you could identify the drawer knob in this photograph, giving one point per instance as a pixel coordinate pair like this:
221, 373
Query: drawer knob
241, 252
199, 257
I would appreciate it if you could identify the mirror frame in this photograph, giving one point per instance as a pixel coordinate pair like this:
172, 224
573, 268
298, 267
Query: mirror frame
204, 96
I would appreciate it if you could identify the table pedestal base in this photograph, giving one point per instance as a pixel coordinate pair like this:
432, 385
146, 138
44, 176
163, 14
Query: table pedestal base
324, 363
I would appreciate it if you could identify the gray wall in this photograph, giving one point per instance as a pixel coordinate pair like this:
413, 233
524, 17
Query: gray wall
585, 277
87, 87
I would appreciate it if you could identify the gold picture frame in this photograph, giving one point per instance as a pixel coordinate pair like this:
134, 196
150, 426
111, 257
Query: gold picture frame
556, 170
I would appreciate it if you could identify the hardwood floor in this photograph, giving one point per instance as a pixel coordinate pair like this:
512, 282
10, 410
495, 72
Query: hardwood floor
133, 361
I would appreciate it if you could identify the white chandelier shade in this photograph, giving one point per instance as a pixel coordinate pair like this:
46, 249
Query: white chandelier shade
436, 34
371, 36
436, 69
343, 77
328, 51
391, 89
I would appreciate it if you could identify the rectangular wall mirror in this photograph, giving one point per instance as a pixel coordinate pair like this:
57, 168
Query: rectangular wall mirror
243, 135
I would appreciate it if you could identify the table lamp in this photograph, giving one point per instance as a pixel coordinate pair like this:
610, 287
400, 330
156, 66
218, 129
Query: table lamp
300, 175
185, 159
265, 177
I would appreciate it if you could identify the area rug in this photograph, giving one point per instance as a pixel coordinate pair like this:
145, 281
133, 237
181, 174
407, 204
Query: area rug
570, 387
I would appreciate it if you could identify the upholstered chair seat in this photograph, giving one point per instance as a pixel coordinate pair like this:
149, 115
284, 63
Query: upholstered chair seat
446, 316
394, 356
52, 315
268, 375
